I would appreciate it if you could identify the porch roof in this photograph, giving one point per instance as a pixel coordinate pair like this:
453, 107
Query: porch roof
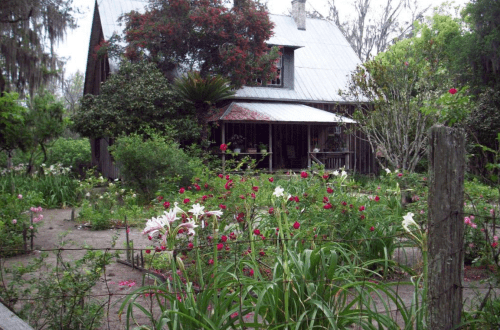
276, 112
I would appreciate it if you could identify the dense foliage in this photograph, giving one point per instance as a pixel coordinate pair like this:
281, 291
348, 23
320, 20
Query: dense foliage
204, 36
136, 97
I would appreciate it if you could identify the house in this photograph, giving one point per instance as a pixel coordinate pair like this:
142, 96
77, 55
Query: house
297, 115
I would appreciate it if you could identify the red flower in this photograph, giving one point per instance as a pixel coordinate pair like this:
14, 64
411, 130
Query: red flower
232, 236
206, 185
296, 198
377, 198
325, 176
362, 217
223, 147
271, 210
220, 246
262, 253
327, 206
190, 246
494, 244
351, 206
204, 197
271, 180
255, 188
296, 225
400, 174
303, 175
242, 196
222, 206
372, 228
361, 208
256, 232
182, 190
159, 198
211, 261
148, 251
329, 190
197, 187
253, 195
344, 203
452, 91
223, 238
166, 205
221, 176
325, 199
186, 200
227, 177
251, 272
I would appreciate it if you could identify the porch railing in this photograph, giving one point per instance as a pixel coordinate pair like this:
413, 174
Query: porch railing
332, 160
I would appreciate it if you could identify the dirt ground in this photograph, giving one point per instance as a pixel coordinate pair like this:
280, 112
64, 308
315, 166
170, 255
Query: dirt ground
119, 279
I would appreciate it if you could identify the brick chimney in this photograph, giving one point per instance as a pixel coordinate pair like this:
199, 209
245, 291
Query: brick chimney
299, 13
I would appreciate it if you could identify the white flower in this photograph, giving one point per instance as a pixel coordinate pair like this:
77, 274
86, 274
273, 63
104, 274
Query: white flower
388, 171
216, 213
134, 195
336, 173
278, 192
177, 209
122, 190
87, 194
190, 226
153, 225
408, 221
100, 197
169, 216
343, 174
197, 210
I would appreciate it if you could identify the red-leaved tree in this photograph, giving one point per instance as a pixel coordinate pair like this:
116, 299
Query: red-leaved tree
204, 36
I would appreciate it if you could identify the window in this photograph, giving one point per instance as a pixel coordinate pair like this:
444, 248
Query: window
279, 73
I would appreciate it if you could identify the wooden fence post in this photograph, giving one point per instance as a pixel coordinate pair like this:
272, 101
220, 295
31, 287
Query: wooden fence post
446, 227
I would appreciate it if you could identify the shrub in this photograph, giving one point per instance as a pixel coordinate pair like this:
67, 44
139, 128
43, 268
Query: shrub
73, 153
147, 162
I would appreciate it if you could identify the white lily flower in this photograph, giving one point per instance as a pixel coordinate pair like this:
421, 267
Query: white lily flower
153, 225
388, 171
343, 174
169, 216
336, 173
278, 192
216, 213
197, 210
177, 209
408, 221
190, 226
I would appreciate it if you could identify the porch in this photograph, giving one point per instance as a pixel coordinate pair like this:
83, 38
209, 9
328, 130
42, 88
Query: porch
294, 136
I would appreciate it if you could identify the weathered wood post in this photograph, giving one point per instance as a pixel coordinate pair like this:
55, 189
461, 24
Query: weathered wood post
446, 227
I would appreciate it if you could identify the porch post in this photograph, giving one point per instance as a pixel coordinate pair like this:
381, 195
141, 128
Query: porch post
270, 148
308, 145
223, 138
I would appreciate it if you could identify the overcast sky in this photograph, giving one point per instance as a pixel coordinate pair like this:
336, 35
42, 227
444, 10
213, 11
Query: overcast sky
75, 46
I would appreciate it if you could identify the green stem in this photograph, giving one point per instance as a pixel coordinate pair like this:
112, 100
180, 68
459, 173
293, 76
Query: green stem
198, 263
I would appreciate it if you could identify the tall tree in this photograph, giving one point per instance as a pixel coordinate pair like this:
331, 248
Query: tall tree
29, 30
371, 31
204, 36
72, 91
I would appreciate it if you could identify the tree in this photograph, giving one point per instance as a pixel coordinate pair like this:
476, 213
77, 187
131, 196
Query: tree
204, 36
72, 90
203, 93
409, 89
12, 119
369, 32
29, 29
135, 97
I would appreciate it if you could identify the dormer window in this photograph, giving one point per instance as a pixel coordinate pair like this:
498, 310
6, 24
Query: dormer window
278, 81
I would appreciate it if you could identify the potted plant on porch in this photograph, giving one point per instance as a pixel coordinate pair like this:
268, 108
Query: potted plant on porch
263, 148
237, 141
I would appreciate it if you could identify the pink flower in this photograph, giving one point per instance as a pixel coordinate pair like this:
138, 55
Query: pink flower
211, 261
14, 221
495, 238
492, 212
182, 190
372, 228
166, 205
186, 200
271, 180
467, 221
31, 227
303, 175
223, 147
227, 176
361, 208
256, 232
296, 225
190, 246
252, 195
329, 190
377, 198
20, 196
255, 188
473, 225
251, 272
223, 238
235, 314
494, 244
220, 246
452, 91
406, 63
400, 174
221, 176
271, 210
222, 206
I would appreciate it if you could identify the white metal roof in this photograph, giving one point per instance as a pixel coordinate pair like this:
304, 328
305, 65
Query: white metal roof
322, 64
278, 112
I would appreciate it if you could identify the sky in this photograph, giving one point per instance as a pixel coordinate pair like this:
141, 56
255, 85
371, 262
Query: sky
75, 46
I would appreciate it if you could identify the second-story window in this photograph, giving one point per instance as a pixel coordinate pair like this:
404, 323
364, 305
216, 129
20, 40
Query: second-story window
278, 81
